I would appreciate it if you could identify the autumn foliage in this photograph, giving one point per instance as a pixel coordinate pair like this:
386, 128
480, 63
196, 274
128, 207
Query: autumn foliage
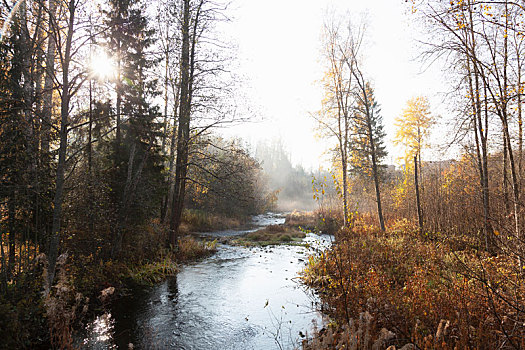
430, 291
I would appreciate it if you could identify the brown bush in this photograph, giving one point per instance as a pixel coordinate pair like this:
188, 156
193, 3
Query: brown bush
413, 286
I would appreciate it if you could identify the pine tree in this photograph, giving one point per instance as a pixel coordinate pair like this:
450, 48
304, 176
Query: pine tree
14, 158
368, 139
136, 154
361, 154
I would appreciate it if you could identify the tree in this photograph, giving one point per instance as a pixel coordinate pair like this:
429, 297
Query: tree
224, 179
137, 130
458, 28
203, 92
413, 128
350, 113
368, 147
334, 118
49, 84
183, 136
13, 145
69, 85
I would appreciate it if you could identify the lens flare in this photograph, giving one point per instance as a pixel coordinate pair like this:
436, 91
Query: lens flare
8, 20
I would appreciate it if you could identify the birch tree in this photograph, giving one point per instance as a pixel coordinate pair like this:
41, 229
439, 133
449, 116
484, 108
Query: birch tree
334, 118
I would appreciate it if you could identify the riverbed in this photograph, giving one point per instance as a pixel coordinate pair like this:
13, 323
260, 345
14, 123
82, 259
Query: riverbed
239, 298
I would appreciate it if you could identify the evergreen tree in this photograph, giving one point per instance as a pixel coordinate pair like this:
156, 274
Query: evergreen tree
368, 139
367, 128
14, 157
136, 153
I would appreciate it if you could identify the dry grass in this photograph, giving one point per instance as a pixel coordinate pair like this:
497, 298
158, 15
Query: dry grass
153, 272
436, 294
271, 235
301, 218
191, 248
321, 220
199, 221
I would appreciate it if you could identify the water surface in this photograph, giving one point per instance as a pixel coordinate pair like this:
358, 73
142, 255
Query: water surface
239, 298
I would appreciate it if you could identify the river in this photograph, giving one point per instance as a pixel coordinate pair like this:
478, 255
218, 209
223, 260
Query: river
238, 298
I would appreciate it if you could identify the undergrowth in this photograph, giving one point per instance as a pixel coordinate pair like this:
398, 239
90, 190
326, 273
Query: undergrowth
194, 220
432, 292
191, 248
85, 283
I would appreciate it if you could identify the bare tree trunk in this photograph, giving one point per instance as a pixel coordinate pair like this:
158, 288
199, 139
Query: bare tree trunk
419, 147
27, 91
504, 116
54, 239
4, 265
166, 81
344, 173
47, 108
59, 191
505, 177
118, 91
183, 132
418, 202
11, 239
480, 125
171, 180
515, 185
39, 74
520, 120
376, 180
483, 132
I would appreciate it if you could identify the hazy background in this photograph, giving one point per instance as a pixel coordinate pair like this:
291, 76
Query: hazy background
279, 55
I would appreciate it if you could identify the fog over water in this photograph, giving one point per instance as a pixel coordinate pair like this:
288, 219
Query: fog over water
293, 182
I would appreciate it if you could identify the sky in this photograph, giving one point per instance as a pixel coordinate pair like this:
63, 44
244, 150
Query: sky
279, 56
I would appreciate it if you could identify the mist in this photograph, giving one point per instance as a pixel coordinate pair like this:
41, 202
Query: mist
292, 183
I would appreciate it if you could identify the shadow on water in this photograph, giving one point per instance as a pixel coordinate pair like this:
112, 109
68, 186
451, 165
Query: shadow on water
239, 298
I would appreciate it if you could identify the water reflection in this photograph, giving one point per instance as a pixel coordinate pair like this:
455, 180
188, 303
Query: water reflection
100, 333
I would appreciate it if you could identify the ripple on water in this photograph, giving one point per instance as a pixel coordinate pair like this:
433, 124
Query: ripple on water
240, 298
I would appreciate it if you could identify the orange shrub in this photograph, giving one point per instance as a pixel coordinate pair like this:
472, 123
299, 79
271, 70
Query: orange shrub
422, 290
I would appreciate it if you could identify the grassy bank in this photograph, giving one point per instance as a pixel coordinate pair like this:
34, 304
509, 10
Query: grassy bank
271, 235
293, 231
401, 288
194, 220
86, 282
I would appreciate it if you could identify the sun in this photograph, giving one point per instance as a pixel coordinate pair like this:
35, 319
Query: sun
102, 66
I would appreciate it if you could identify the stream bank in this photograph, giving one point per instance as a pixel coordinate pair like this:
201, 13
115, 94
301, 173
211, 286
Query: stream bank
238, 298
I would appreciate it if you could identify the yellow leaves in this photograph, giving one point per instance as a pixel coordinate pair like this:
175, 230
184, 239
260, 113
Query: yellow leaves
413, 125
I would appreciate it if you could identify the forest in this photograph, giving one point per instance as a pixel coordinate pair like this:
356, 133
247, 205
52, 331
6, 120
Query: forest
112, 159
